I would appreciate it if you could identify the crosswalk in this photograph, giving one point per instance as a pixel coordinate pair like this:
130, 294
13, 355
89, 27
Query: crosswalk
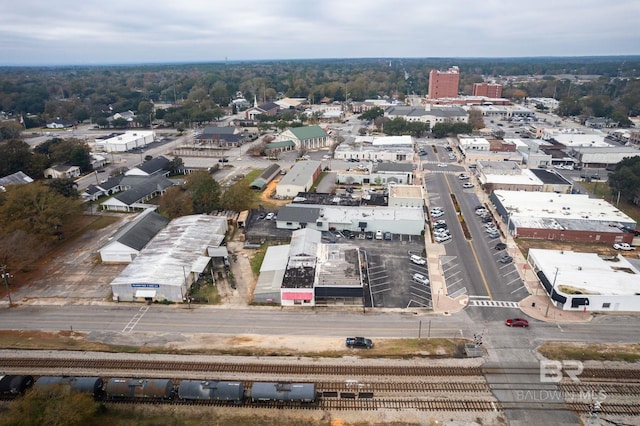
492, 304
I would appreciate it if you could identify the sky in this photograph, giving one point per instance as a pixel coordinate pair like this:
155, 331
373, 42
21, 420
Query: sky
90, 32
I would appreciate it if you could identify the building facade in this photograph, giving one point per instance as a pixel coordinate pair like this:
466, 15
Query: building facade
444, 84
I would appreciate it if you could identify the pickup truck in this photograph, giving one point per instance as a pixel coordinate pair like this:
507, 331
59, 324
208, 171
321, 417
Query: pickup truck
359, 342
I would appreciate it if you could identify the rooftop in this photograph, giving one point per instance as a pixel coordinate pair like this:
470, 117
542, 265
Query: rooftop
588, 272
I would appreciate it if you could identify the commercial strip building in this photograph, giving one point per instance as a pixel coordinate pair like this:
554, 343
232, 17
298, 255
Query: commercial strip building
562, 217
587, 282
307, 272
509, 176
167, 267
397, 220
299, 179
376, 148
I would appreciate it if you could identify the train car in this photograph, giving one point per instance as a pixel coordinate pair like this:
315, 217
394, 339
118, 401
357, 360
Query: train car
118, 388
91, 385
15, 385
294, 392
211, 390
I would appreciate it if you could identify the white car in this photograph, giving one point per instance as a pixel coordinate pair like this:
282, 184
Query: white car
379, 235
467, 185
442, 238
463, 177
420, 278
437, 213
623, 246
442, 165
482, 212
418, 260
269, 216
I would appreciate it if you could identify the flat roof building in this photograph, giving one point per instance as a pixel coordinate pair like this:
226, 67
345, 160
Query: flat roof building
444, 84
562, 217
586, 281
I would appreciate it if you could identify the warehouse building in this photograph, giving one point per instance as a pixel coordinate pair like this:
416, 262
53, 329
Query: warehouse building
127, 243
167, 267
587, 282
127, 141
299, 179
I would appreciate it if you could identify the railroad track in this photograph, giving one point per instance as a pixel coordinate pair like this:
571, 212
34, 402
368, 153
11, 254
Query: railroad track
39, 364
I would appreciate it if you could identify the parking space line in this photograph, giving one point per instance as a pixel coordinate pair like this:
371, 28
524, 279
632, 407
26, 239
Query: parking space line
517, 280
521, 287
381, 291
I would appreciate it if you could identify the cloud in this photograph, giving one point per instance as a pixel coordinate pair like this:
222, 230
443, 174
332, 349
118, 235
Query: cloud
71, 32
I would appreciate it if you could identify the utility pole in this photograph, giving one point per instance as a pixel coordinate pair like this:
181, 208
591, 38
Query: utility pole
6, 276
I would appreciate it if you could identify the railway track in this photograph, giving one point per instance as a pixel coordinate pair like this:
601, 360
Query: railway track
40, 364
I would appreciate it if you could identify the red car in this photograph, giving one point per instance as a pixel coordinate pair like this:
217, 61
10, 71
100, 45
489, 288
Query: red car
517, 322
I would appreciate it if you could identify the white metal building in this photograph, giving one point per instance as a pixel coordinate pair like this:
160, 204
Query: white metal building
173, 259
586, 281
126, 141
299, 179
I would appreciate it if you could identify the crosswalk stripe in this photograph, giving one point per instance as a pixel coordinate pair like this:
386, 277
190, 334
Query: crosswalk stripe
493, 304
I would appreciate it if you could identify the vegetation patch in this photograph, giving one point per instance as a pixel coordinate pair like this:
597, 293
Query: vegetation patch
590, 351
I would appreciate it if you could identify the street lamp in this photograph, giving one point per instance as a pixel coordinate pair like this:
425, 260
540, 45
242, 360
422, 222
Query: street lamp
6, 277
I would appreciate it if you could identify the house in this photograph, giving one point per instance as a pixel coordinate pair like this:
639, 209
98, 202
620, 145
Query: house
145, 188
155, 166
62, 171
16, 178
59, 124
128, 116
307, 137
127, 243
98, 161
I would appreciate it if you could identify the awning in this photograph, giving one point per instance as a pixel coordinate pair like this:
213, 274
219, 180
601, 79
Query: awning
288, 295
200, 264
147, 294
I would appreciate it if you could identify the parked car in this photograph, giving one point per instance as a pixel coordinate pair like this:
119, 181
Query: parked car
463, 177
262, 216
369, 235
501, 246
506, 259
494, 234
387, 236
436, 213
379, 235
223, 160
441, 231
623, 246
482, 212
420, 278
440, 224
359, 342
418, 260
442, 238
269, 216
467, 185
517, 322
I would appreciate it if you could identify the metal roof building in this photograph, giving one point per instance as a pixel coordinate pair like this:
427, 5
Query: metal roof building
167, 266
127, 243
266, 176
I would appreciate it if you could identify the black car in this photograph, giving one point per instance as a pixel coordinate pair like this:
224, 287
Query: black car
348, 234
369, 235
501, 246
359, 342
223, 160
349, 190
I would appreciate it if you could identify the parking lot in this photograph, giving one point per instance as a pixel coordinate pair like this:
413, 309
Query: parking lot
390, 271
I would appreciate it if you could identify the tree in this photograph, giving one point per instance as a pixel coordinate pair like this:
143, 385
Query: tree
175, 202
10, 130
53, 406
475, 118
66, 187
372, 114
237, 197
626, 177
36, 209
176, 166
204, 191
15, 155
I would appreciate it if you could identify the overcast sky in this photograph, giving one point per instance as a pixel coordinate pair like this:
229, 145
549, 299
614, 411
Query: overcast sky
36, 32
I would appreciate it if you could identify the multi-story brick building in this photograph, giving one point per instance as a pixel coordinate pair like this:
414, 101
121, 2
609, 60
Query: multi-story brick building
487, 89
444, 84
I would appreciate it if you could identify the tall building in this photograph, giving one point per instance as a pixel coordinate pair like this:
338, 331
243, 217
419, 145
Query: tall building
488, 90
444, 84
